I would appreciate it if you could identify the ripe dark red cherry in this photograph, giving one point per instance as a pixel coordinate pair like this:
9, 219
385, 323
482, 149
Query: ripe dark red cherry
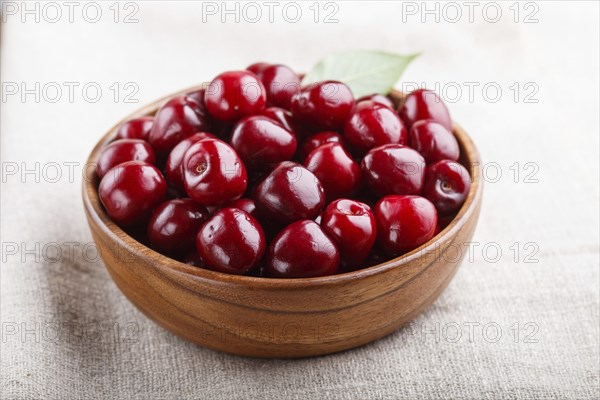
339, 174
394, 169
425, 104
257, 68
281, 115
123, 150
404, 223
245, 204
130, 191
351, 225
447, 185
302, 250
177, 119
213, 174
137, 128
173, 169
235, 94
323, 106
262, 142
378, 98
281, 84
197, 97
231, 241
433, 141
174, 224
318, 139
289, 193
372, 124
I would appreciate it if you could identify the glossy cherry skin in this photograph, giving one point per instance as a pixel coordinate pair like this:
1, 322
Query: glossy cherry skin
137, 128
257, 68
173, 225
197, 96
123, 150
404, 223
302, 250
173, 169
289, 193
351, 224
447, 184
281, 84
130, 191
244, 204
177, 119
339, 174
231, 241
213, 173
233, 95
323, 106
318, 139
262, 142
280, 115
372, 124
394, 169
378, 98
425, 104
433, 141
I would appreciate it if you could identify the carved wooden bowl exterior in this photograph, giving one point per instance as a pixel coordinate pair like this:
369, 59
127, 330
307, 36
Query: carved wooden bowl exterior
282, 318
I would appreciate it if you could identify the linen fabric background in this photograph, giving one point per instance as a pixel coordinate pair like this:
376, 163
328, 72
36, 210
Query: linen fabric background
521, 318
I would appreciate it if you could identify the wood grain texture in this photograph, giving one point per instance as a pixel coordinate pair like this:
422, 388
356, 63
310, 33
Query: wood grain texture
283, 318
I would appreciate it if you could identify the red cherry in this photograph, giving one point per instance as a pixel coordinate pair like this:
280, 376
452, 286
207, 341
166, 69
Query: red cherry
281, 84
173, 169
289, 193
123, 150
378, 98
318, 139
302, 250
351, 225
394, 169
213, 173
137, 128
130, 191
197, 96
257, 68
235, 94
280, 115
177, 119
323, 106
262, 142
404, 222
231, 241
372, 124
173, 225
245, 204
433, 141
425, 104
447, 185
339, 174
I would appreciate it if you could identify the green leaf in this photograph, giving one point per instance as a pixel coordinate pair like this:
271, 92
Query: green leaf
365, 72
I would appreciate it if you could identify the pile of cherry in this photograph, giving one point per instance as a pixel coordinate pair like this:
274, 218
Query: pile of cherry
256, 175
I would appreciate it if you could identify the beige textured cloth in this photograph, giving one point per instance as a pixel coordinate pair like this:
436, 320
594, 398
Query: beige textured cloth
507, 327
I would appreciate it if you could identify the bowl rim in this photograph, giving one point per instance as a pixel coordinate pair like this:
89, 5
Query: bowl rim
124, 240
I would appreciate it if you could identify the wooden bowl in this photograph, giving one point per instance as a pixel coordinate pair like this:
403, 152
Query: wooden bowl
282, 318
